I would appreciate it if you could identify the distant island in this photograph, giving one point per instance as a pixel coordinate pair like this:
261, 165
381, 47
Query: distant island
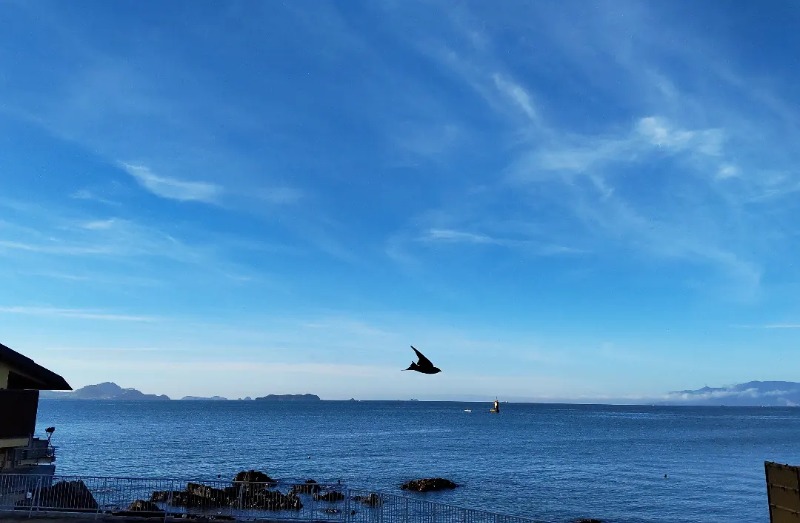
750, 394
104, 391
112, 391
289, 397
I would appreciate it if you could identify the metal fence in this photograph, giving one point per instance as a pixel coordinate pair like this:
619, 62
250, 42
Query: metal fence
220, 500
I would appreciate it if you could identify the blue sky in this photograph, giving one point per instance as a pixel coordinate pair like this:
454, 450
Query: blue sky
583, 200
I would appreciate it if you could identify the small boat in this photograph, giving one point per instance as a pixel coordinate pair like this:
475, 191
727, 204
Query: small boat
467, 410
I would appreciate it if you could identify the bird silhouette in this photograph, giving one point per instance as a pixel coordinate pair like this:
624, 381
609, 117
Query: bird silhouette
424, 365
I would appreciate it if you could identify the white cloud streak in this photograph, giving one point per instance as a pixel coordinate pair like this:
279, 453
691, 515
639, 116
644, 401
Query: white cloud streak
81, 314
516, 94
171, 188
452, 236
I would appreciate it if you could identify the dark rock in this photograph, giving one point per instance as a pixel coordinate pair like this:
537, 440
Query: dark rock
588, 520
249, 493
211, 498
372, 500
428, 484
271, 500
64, 494
163, 496
215, 497
252, 476
252, 484
331, 497
141, 505
309, 487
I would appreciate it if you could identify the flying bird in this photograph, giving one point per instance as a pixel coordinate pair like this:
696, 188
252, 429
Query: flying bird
424, 365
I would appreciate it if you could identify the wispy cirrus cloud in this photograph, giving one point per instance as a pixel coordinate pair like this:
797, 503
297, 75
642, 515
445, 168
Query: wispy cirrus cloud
172, 188
60, 237
81, 314
453, 236
575, 155
450, 235
99, 225
87, 195
516, 94
771, 326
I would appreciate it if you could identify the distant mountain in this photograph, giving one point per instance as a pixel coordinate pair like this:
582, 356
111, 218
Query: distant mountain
103, 391
200, 398
289, 397
752, 393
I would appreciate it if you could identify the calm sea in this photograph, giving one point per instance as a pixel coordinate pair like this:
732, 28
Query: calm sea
553, 462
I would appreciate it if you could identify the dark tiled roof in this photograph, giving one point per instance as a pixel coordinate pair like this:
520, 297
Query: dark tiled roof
40, 378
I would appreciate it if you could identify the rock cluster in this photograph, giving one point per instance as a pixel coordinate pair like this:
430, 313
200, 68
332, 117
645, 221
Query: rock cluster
428, 484
309, 487
245, 495
250, 490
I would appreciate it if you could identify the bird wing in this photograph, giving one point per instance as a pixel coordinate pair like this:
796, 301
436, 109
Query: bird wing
423, 361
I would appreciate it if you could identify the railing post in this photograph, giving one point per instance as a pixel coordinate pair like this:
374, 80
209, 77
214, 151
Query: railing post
102, 501
35, 496
405, 511
169, 498
346, 510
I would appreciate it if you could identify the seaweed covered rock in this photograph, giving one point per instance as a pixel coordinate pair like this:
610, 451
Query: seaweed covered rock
64, 494
428, 484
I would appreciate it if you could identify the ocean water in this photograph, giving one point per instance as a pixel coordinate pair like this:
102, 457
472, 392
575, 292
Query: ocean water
553, 462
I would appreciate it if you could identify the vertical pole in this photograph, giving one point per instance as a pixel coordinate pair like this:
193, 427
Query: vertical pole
169, 498
34, 496
102, 500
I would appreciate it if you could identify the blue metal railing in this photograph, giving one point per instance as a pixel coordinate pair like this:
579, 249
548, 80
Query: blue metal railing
242, 501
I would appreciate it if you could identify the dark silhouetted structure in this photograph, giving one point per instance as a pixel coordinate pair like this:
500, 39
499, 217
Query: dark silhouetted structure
21, 379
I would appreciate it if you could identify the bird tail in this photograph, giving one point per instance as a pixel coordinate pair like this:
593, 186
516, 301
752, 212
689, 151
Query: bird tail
413, 366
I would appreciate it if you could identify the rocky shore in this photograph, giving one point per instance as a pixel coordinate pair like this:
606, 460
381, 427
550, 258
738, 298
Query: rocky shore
249, 490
